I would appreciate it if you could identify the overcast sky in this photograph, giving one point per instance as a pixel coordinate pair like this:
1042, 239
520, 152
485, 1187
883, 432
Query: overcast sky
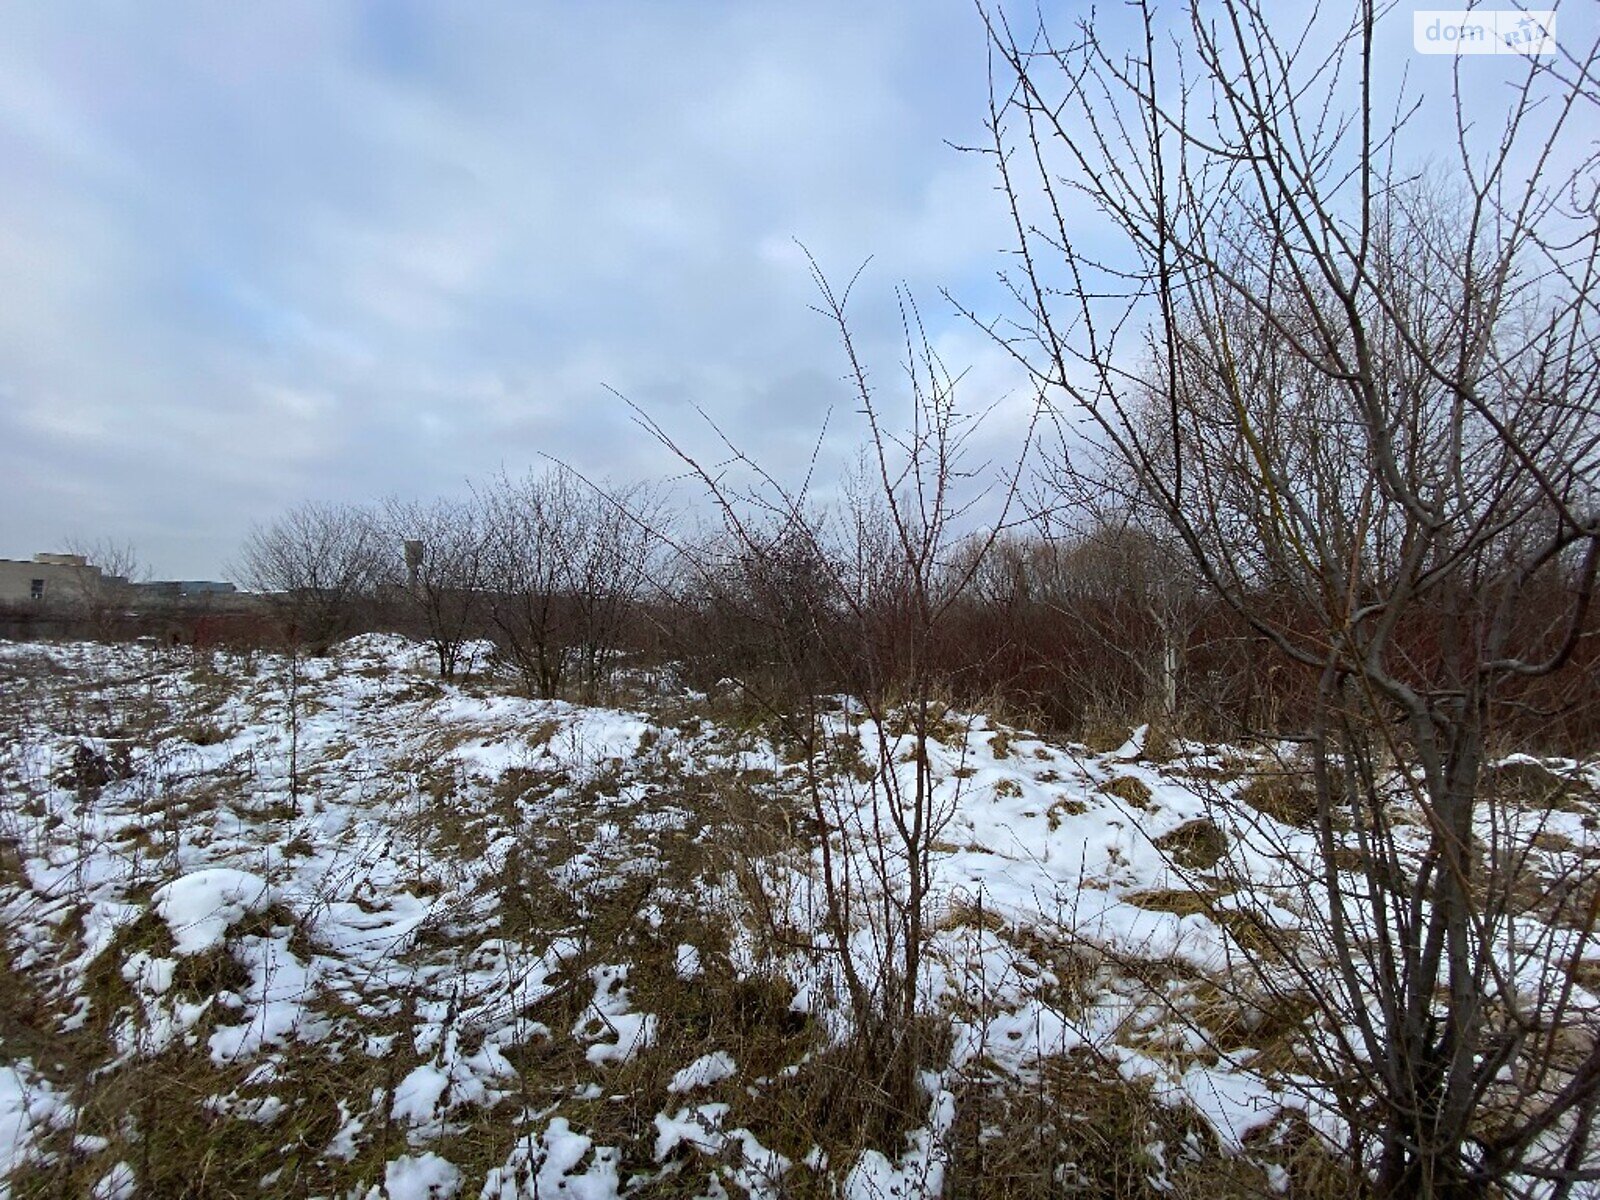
255, 254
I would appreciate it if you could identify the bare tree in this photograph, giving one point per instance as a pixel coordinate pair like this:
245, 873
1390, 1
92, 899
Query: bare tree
102, 593
763, 604
609, 551
1365, 401
446, 547
1114, 578
525, 524
319, 566
566, 563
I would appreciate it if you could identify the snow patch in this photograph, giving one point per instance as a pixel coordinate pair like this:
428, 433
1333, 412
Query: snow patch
421, 1177
703, 1072
202, 906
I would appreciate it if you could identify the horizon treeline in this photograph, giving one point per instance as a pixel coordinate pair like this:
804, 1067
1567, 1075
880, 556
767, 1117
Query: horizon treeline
1084, 630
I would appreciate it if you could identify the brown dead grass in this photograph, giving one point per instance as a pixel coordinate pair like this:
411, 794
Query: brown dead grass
1082, 1130
1197, 845
1103, 737
1286, 797
1535, 787
1132, 791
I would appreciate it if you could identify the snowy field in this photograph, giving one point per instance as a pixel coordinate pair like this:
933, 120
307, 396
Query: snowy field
344, 930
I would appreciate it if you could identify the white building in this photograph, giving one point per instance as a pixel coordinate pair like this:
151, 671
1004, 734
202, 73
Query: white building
53, 579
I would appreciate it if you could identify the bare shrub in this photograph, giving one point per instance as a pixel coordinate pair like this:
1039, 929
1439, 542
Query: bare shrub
857, 598
1365, 403
442, 593
100, 597
565, 566
319, 567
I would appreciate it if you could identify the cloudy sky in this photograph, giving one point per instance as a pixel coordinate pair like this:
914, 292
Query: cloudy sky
255, 254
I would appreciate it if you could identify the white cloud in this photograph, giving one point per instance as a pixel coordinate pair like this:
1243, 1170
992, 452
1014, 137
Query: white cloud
262, 253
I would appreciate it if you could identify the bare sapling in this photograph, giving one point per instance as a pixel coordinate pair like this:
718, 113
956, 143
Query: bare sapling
853, 602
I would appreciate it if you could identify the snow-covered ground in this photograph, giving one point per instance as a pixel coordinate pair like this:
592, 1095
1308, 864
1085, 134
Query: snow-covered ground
364, 934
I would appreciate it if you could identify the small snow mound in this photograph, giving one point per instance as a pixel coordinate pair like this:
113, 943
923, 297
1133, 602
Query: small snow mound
28, 1105
201, 907
423, 1176
545, 1165
1132, 749
418, 1094
703, 1072
119, 1183
609, 1012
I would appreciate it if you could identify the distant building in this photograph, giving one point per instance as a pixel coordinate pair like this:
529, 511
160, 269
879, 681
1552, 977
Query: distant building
180, 591
47, 579
63, 580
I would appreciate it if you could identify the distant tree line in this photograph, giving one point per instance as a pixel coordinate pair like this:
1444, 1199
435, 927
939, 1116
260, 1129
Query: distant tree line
1073, 625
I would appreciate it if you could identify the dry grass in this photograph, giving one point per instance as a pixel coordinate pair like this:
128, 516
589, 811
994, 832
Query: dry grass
1285, 796
1531, 786
1197, 845
1132, 791
1181, 902
1060, 810
1161, 743
205, 732
1080, 1129
1103, 736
